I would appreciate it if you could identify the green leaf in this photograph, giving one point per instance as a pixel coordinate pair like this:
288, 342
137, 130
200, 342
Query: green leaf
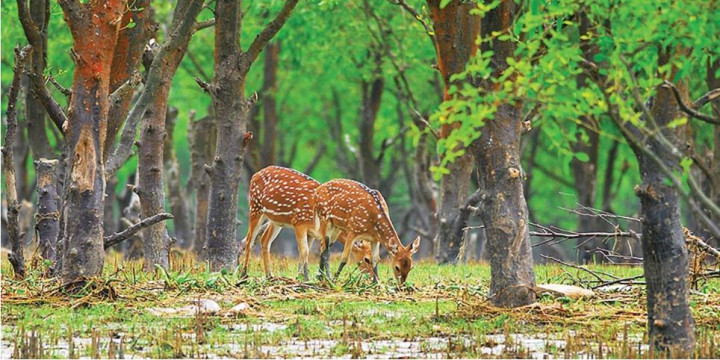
581, 156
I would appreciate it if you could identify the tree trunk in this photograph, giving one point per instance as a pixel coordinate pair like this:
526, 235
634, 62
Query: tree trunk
202, 135
504, 210
713, 82
48, 215
456, 31
152, 136
585, 172
34, 110
17, 257
670, 322
232, 110
126, 60
270, 117
179, 206
150, 187
94, 27
371, 98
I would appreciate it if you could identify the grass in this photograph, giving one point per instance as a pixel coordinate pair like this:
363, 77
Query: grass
441, 311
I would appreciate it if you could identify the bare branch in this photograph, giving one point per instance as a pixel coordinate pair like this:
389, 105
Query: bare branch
203, 25
53, 108
266, 34
688, 110
709, 96
119, 237
32, 33
428, 30
65, 91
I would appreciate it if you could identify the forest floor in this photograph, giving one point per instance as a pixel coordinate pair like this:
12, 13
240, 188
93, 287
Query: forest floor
440, 313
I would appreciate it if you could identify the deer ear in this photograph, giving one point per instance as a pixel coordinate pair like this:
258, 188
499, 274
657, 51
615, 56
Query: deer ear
415, 246
392, 248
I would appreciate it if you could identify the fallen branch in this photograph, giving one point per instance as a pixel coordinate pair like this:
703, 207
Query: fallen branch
17, 258
119, 237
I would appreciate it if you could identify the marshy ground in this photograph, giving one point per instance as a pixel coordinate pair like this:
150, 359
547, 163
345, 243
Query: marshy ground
440, 313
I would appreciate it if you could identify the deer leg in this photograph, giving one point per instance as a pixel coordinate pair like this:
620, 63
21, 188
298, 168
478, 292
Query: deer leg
349, 240
324, 257
376, 260
302, 242
269, 235
253, 229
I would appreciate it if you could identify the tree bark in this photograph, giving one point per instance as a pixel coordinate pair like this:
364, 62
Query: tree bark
152, 136
456, 31
179, 195
232, 110
202, 135
504, 210
670, 322
48, 214
17, 257
126, 60
34, 110
94, 27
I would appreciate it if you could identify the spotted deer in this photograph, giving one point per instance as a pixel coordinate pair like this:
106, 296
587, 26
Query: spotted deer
349, 209
284, 197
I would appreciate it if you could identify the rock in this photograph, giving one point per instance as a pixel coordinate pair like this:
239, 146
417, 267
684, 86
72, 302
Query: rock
206, 306
573, 292
203, 306
241, 308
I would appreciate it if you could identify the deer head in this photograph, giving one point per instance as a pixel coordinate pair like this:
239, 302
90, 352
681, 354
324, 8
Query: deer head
402, 258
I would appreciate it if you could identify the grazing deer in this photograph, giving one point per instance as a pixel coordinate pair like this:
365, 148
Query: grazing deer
285, 198
349, 209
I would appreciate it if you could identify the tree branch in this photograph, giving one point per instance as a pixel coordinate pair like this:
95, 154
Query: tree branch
266, 34
203, 25
180, 33
32, 33
429, 31
119, 237
53, 108
690, 111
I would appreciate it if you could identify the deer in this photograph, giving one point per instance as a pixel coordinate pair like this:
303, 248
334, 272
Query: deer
349, 209
284, 197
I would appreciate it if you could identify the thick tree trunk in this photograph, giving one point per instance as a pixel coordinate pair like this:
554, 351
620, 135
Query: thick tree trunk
94, 27
232, 110
270, 117
670, 322
48, 214
456, 31
504, 210
179, 206
202, 135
